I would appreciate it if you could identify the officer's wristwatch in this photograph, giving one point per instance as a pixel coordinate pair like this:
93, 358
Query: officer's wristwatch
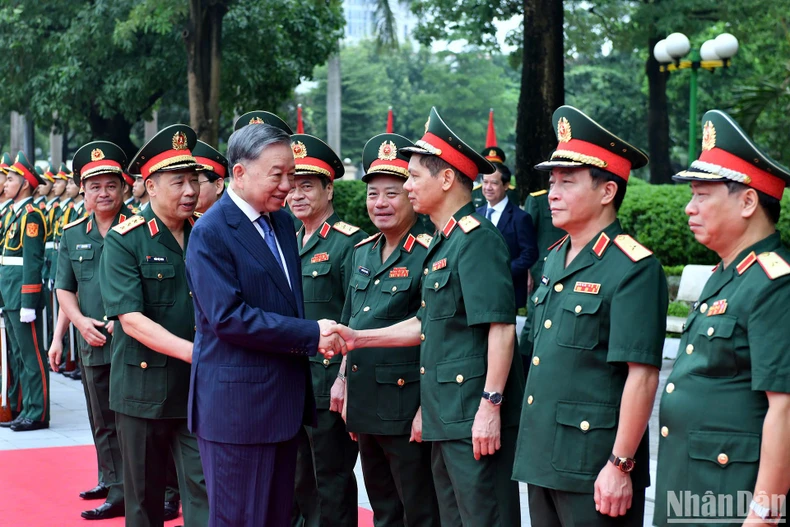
625, 464
494, 398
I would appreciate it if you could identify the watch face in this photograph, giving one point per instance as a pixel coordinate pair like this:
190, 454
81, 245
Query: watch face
495, 398
627, 465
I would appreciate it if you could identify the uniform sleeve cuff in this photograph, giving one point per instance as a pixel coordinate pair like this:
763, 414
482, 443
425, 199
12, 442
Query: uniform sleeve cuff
115, 310
490, 317
651, 358
775, 383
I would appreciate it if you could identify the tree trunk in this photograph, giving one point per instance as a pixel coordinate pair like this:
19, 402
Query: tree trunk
17, 133
203, 41
115, 129
657, 120
542, 91
30, 137
334, 88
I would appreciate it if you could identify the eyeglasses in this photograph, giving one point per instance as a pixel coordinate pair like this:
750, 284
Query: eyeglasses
203, 181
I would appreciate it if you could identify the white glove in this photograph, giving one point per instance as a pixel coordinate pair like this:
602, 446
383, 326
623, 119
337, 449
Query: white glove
27, 315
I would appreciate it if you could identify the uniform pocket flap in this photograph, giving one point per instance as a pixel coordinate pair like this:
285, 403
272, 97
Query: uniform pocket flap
144, 358
359, 283
586, 416
400, 285
540, 295
437, 281
83, 254
158, 271
719, 326
400, 374
582, 305
315, 270
723, 448
461, 370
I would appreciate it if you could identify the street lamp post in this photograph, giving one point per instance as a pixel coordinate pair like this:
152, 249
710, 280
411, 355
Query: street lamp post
714, 53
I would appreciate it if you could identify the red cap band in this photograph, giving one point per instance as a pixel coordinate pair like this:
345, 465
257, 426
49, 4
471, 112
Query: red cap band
760, 179
156, 162
611, 162
109, 163
25, 173
316, 165
452, 155
218, 168
397, 165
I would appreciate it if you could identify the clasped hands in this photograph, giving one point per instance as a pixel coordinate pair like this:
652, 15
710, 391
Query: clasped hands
334, 338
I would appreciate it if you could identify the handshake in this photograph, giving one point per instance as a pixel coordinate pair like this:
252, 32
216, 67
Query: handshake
334, 338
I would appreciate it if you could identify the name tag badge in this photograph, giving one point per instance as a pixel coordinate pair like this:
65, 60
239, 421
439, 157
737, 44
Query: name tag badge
156, 259
587, 287
364, 271
319, 257
399, 272
718, 307
544, 280
82, 246
441, 264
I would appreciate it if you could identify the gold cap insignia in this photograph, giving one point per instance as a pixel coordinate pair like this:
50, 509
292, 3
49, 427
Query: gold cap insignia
563, 130
179, 141
256, 120
387, 151
97, 154
299, 150
492, 153
708, 136
18, 159
427, 124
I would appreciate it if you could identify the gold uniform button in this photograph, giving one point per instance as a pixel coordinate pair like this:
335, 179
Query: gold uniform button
81, 260
422, 370
436, 285
664, 431
584, 425
190, 294
377, 282
354, 368
315, 273
401, 382
366, 309
143, 365
547, 324
159, 276
194, 328
535, 360
536, 301
530, 399
104, 318
689, 349
703, 308
459, 378
578, 309
394, 288
710, 331
670, 387
422, 303
422, 336
326, 362
723, 458
558, 288
425, 271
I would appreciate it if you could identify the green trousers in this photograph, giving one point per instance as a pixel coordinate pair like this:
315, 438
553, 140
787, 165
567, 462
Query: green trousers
145, 447
14, 368
34, 373
557, 508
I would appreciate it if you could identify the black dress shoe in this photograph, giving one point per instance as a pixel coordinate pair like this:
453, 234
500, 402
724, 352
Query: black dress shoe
104, 511
171, 510
26, 425
9, 424
75, 375
99, 492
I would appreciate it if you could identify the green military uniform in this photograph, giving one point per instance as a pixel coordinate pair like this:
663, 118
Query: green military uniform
326, 489
602, 310
733, 350
384, 384
21, 288
143, 270
456, 311
78, 272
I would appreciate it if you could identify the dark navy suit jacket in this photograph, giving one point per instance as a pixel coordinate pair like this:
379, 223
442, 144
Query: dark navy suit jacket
516, 227
250, 380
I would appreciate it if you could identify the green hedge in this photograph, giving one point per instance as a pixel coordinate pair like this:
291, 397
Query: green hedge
349, 201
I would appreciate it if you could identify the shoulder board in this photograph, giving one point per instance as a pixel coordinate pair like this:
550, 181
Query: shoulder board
128, 225
75, 222
29, 207
368, 239
478, 186
773, 265
538, 193
345, 228
632, 248
197, 214
424, 240
558, 242
42, 205
468, 223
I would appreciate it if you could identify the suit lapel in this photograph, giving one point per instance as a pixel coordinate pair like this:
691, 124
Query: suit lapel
505, 218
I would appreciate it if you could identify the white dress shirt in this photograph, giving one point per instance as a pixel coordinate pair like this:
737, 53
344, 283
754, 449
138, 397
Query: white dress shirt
498, 209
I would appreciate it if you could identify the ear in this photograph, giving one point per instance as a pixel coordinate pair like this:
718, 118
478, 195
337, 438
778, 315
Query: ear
238, 171
150, 186
448, 178
609, 190
330, 188
749, 201
220, 184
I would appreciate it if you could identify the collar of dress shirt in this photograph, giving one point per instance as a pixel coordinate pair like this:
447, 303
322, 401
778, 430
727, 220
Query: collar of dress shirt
499, 207
245, 207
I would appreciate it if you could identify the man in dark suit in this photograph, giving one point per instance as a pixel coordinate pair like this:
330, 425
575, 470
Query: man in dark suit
250, 390
515, 226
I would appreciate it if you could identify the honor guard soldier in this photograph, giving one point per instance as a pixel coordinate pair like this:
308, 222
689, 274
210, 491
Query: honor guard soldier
140, 193
212, 178
725, 408
326, 489
98, 169
143, 282
598, 334
383, 399
128, 197
47, 178
21, 288
470, 381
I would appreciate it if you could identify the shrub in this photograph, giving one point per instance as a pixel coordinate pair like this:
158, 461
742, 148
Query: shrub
673, 270
349, 201
678, 309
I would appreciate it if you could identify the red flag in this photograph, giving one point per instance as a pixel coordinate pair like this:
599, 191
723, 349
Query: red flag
491, 134
389, 120
299, 123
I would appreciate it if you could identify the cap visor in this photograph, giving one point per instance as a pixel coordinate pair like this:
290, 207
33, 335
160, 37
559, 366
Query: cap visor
370, 175
695, 175
177, 167
560, 163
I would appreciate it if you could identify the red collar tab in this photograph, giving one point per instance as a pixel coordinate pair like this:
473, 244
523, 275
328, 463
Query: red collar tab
89, 226
558, 243
410, 239
601, 245
325, 228
448, 227
153, 228
746, 262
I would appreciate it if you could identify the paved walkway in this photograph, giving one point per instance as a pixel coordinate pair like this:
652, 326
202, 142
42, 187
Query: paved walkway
69, 427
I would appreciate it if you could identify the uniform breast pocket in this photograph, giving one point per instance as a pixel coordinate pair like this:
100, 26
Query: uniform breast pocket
159, 284
359, 290
579, 322
460, 388
583, 436
83, 264
394, 299
398, 390
317, 282
722, 461
144, 375
439, 295
713, 337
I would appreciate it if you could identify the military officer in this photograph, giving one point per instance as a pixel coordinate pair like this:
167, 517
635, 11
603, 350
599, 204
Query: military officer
47, 178
470, 381
724, 411
212, 178
143, 282
98, 168
128, 197
384, 388
326, 489
140, 193
21, 288
598, 334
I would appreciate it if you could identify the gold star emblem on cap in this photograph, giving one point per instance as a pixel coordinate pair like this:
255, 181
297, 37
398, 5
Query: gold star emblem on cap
299, 150
492, 153
563, 130
97, 154
179, 141
708, 136
256, 120
387, 151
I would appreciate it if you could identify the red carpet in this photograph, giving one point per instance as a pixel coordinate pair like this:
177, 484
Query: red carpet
40, 488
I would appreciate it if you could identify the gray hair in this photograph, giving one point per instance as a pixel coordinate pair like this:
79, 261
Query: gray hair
248, 143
